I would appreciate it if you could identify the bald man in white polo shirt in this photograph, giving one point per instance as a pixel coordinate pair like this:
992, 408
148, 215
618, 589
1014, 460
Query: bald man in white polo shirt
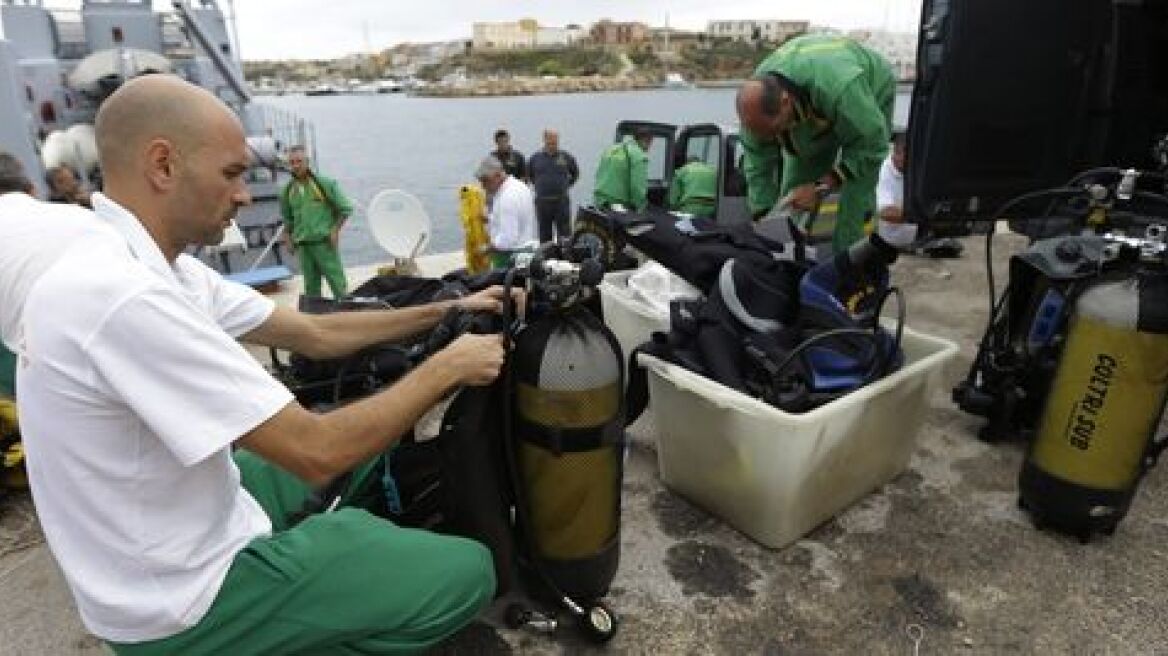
134, 391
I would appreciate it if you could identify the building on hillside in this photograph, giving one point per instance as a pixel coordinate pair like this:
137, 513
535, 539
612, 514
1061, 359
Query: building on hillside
771, 31
511, 35
612, 33
670, 40
552, 37
576, 33
433, 53
900, 48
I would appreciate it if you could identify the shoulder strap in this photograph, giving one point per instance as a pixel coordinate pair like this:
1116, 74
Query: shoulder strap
325, 195
637, 392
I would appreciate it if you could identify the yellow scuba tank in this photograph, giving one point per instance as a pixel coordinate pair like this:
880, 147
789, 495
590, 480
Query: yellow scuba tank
12, 473
472, 211
1096, 436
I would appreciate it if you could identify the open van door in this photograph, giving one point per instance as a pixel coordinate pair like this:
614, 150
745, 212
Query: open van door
709, 143
660, 156
1013, 97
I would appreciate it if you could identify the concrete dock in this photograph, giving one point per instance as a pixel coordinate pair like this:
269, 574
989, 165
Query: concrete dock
938, 561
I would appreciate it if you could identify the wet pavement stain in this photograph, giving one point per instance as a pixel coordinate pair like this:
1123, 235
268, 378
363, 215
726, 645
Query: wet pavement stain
709, 570
925, 601
476, 638
679, 518
773, 648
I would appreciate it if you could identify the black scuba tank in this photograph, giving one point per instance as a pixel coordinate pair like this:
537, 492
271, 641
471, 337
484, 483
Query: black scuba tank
568, 441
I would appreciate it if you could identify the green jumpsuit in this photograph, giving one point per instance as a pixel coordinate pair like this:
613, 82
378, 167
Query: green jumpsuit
843, 125
622, 177
311, 209
694, 189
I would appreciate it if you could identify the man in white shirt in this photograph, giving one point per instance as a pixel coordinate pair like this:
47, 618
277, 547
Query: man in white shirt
511, 221
37, 235
133, 393
891, 223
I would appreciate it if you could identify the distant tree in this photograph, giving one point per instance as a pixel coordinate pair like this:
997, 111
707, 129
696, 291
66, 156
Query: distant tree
550, 67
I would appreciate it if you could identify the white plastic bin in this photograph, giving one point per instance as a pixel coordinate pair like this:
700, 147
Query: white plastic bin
774, 475
631, 320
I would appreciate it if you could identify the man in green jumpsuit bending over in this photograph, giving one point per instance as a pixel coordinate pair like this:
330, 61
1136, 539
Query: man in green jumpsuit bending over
314, 210
622, 177
694, 189
823, 104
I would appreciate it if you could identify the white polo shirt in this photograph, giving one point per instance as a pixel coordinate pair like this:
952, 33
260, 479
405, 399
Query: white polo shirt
890, 193
34, 236
511, 221
132, 390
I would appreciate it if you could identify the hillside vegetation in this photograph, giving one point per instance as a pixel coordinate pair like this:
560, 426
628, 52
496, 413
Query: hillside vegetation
559, 62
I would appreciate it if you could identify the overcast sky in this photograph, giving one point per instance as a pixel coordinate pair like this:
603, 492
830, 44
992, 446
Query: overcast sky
309, 29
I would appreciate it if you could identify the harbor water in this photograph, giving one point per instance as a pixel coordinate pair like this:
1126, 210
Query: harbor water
430, 147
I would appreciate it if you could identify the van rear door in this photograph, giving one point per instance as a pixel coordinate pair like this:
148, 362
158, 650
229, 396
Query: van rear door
710, 144
1014, 96
660, 155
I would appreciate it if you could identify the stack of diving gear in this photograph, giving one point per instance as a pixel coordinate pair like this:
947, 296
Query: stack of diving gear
322, 383
1075, 360
448, 474
772, 325
531, 466
694, 248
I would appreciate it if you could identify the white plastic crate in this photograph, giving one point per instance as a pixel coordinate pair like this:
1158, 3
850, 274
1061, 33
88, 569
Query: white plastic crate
773, 475
629, 318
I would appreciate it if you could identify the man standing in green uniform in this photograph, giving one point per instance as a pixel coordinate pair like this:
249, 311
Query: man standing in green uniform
622, 177
694, 189
824, 105
314, 210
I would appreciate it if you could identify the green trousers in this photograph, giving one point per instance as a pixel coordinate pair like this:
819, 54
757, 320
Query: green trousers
344, 582
857, 197
319, 258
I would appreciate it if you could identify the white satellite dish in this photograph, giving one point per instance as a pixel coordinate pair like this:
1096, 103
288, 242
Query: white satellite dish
233, 240
399, 223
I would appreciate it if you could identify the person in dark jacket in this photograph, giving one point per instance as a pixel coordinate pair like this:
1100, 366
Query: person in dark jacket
552, 172
512, 160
